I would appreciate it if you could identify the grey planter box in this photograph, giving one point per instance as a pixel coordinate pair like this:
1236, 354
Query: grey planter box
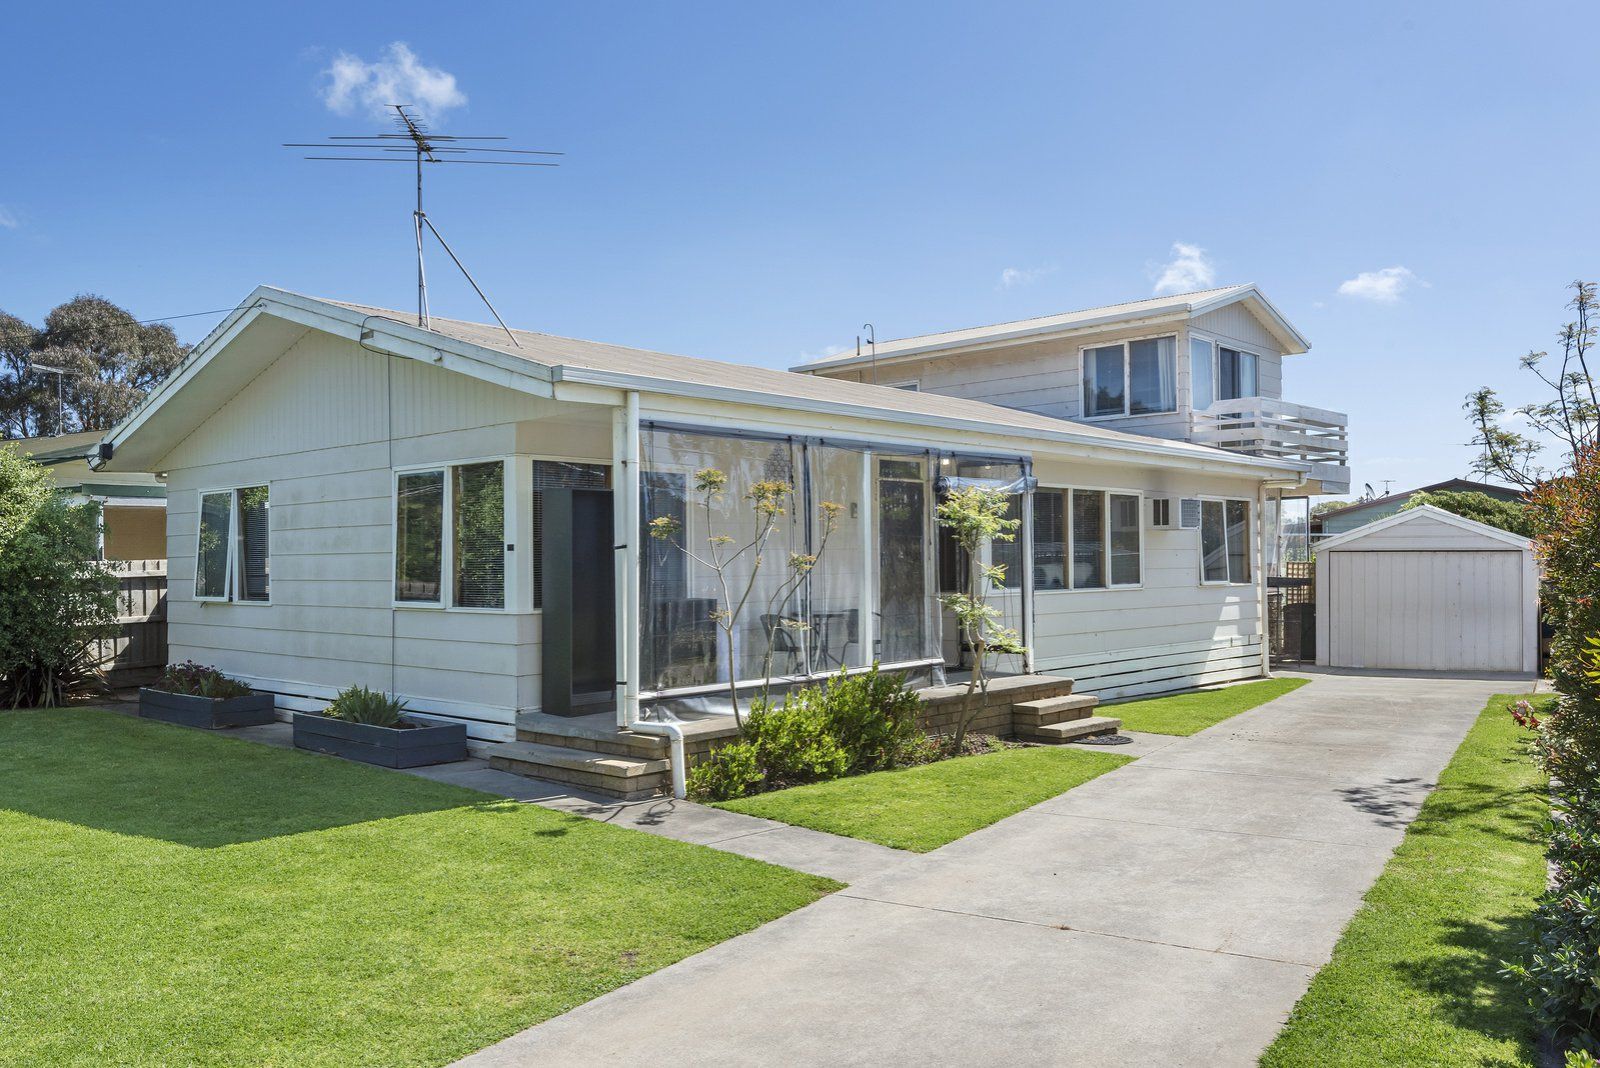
389, 747
210, 713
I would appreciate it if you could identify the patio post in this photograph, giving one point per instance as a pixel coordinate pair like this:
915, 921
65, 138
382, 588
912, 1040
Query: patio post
866, 628
625, 538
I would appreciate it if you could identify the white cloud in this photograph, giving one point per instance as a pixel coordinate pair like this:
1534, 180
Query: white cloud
1384, 285
1013, 277
822, 354
398, 77
8, 219
1189, 269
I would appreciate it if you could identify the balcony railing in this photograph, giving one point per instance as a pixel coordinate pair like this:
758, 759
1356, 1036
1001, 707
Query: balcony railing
1262, 426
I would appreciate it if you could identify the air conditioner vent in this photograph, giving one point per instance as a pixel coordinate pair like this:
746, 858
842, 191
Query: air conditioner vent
1175, 513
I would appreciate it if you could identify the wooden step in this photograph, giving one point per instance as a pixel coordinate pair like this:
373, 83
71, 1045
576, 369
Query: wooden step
627, 777
1052, 710
1070, 730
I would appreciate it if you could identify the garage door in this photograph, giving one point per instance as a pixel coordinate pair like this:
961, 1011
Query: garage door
1432, 610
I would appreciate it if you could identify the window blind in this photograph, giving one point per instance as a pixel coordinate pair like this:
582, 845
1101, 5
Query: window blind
253, 556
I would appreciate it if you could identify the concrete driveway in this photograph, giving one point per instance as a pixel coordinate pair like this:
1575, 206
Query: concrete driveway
1170, 912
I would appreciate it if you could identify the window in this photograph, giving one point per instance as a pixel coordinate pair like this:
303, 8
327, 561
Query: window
1123, 520
474, 555
231, 553
1086, 540
1200, 372
1132, 378
1225, 541
478, 529
559, 474
1236, 374
419, 536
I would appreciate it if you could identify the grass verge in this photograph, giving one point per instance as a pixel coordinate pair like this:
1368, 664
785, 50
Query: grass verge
175, 897
925, 807
1414, 979
1187, 713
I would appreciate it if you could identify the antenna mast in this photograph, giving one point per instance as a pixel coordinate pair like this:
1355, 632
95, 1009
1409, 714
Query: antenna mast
427, 147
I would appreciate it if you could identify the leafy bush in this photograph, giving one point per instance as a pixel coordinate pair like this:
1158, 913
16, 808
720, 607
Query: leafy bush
357, 704
729, 772
197, 680
56, 599
794, 742
851, 724
874, 717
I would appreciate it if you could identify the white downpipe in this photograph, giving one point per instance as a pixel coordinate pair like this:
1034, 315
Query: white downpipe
867, 626
673, 732
628, 619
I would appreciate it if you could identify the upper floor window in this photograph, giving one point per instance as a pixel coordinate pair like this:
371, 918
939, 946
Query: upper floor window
451, 521
1220, 373
231, 557
1131, 378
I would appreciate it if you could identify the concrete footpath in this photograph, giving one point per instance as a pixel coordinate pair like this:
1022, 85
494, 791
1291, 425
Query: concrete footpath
1170, 912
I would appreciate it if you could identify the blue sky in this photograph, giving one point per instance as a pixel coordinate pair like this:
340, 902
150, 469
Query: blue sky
752, 182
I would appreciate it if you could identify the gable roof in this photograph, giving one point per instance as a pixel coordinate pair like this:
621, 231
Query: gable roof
551, 366
1418, 514
1175, 306
1504, 493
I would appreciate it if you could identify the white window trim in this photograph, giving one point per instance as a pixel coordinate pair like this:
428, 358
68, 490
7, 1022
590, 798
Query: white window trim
1066, 520
228, 584
1218, 343
1250, 519
514, 583
1127, 384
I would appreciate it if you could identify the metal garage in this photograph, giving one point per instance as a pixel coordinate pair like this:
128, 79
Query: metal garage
1427, 590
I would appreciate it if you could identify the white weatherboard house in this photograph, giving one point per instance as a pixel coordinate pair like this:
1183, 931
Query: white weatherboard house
455, 514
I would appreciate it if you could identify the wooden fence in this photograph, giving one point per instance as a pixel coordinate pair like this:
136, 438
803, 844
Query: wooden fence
139, 651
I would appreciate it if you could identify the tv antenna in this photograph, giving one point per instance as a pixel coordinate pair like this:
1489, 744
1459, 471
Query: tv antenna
413, 138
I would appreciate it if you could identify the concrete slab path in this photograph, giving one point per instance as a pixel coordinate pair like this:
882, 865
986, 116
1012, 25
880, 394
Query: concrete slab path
1170, 912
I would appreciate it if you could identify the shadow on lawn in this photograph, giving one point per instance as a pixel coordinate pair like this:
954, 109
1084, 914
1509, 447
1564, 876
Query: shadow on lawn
1466, 981
116, 773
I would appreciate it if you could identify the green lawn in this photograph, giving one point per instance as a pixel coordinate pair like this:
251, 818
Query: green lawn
925, 807
1414, 980
1187, 713
171, 897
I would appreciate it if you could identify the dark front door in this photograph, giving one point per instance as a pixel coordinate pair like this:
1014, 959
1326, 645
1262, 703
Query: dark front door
579, 622
594, 618
902, 585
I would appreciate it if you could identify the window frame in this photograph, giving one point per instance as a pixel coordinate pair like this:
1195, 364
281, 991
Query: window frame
1127, 380
1105, 531
1218, 343
1249, 526
447, 548
230, 592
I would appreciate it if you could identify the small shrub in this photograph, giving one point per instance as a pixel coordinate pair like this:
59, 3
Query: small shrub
197, 680
729, 772
357, 704
794, 742
873, 716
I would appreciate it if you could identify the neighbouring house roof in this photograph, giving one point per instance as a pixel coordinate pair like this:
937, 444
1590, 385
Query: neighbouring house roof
1177, 305
1503, 493
67, 457
1424, 514
547, 365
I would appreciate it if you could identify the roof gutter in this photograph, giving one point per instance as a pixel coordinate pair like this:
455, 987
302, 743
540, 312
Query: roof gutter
1184, 454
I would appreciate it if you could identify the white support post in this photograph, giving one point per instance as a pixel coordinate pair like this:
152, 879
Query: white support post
1025, 561
635, 524
866, 630
1261, 581
619, 556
